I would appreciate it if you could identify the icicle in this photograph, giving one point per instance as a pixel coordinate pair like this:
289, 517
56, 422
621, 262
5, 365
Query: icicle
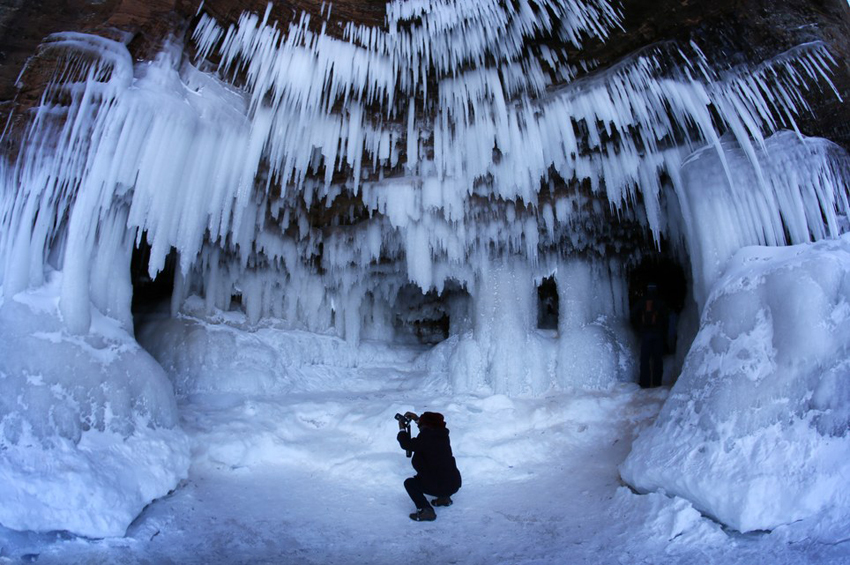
803, 186
412, 137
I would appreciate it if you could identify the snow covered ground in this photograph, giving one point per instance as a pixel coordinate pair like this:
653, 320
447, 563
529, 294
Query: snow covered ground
316, 477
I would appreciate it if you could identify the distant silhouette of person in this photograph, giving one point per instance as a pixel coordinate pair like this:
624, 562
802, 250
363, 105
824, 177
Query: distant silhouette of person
436, 470
651, 318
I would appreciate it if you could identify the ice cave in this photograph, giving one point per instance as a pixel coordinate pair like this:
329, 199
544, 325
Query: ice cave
251, 199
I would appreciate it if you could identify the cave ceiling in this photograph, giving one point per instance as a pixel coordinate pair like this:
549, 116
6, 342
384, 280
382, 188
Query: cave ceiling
735, 31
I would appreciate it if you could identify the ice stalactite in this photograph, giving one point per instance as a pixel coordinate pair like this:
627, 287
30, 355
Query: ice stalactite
496, 133
787, 195
80, 392
109, 151
48, 199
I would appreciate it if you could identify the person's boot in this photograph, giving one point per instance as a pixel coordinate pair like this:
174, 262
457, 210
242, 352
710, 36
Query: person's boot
442, 501
424, 515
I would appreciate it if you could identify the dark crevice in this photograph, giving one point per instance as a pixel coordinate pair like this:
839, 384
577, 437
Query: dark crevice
547, 304
150, 295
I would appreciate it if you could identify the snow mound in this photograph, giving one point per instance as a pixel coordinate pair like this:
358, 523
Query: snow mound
88, 423
671, 519
755, 431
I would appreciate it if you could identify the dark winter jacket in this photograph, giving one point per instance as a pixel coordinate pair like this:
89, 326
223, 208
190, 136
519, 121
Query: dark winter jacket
650, 316
433, 460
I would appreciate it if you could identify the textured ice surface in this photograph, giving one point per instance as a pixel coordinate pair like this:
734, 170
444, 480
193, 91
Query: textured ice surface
232, 178
225, 353
729, 201
755, 431
89, 430
505, 353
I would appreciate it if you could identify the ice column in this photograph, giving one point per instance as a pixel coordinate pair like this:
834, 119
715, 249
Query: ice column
504, 356
592, 341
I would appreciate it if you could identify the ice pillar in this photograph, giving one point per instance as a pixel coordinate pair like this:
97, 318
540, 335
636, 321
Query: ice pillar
591, 350
504, 356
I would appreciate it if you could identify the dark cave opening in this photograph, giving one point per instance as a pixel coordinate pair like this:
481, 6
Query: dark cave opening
150, 295
547, 304
669, 276
429, 318
665, 272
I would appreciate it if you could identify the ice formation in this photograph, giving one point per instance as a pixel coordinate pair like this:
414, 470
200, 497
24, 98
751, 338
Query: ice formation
89, 429
777, 198
225, 354
754, 432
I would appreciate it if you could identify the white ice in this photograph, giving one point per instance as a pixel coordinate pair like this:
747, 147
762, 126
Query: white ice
89, 427
288, 402
171, 149
755, 432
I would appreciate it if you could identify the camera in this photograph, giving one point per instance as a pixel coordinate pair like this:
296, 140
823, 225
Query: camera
406, 418
404, 423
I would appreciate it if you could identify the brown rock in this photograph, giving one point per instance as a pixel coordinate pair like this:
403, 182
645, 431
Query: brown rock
729, 31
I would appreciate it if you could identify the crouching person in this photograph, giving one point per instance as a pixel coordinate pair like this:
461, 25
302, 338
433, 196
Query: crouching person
436, 471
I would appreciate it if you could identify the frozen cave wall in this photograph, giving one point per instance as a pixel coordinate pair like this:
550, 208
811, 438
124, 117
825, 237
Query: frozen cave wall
379, 154
314, 165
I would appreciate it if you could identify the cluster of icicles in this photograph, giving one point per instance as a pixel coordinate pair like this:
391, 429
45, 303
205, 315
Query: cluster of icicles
447, 180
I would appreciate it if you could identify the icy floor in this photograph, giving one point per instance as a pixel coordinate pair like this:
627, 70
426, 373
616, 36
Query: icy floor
316, 478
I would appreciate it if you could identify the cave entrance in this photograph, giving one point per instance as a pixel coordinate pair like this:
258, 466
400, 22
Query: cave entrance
665, 272
547, 304
669, 276
431, 317
150, 296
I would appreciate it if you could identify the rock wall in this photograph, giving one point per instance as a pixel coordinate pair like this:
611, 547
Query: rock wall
734, 31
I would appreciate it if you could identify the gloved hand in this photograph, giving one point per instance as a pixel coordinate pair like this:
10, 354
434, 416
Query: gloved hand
411, 416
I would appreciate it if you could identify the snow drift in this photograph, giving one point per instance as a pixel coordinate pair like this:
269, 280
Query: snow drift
89, 429
756, 430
